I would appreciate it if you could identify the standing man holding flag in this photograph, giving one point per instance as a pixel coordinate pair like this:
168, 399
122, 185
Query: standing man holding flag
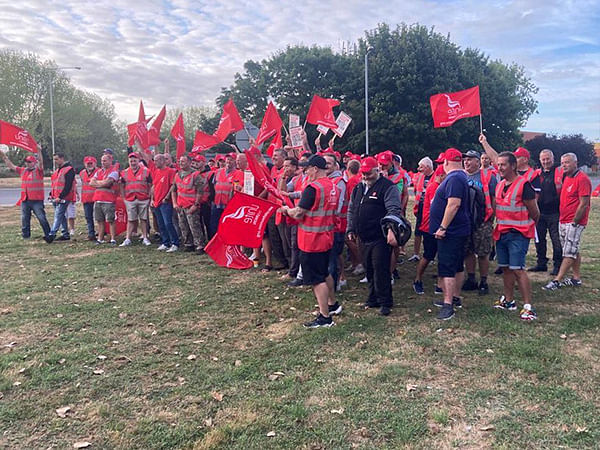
62, 193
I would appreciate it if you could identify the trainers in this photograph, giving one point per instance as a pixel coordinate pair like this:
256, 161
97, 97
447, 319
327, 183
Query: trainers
172, 248
446, 313
456, 302
49, 238
359, 270
571, 282
296, 282
64, 238
501, 303
162, 247
125, 243
528, 313
335, 310
498, 271
385, 311
418, 287
341, 284
71, 232
113, 242
484, 289
146, 242
320, 321
552, 285
100, 242
438, 290
414, 258
470, 285
364, 280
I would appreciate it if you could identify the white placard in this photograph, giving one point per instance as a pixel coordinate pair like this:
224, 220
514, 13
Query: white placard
3, 148
248, 182
343, 121
322, 129
296, 136
294, 121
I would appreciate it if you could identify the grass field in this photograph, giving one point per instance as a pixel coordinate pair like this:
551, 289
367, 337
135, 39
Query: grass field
156, 351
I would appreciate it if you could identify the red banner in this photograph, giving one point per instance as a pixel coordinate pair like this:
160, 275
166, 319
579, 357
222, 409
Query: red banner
448, 108
13, 135
244, 220
178, 133
229, 256
321, 112
154, 131
271, 124
203, 141
230, 121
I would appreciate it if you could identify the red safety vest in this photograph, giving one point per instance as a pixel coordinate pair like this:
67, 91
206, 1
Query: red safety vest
224, 185
486, 176
186, 189
104, 194
559, 175
58, 184
530, 174
315, 231
136, 184
511, 212
341, 222
87, 191
32, 185
418, 182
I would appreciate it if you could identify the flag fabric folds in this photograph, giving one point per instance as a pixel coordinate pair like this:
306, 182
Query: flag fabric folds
244, 220
154, 131
178, 133
450, 107
203, 141
229, 256
271, 124
230, 121
139, 130
13, 135
321, 112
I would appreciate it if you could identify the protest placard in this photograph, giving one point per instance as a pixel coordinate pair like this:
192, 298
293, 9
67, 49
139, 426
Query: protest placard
343, 121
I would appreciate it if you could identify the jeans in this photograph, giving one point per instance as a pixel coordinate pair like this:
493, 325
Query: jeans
37, 207
60, 219
215, 217
88, 209
511, 250
377, 256
164, 217
336, 251
548, 223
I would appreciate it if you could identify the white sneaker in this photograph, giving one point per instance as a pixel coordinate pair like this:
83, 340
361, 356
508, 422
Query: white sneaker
359, 270
125, 243
172, 249
71, 232
364, 280
146, 241
162, 247
414, 258
341, 284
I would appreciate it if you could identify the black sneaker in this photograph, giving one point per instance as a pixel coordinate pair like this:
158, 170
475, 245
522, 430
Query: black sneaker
296, 282
456, 302
335, 310
538, 268
484, 289
418, 287
385, 310
49, 238
63, 238
469, 285
438, 290
320, 321
498, 271
446, 313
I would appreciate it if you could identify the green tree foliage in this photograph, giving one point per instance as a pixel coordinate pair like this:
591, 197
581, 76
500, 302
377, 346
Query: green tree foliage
84, 123
572, 143
406, 66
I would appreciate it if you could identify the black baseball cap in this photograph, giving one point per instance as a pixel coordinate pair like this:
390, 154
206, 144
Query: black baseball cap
315, 161
471, 154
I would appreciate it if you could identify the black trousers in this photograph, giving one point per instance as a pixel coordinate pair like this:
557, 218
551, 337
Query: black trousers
548, 223
377, 256
294, 250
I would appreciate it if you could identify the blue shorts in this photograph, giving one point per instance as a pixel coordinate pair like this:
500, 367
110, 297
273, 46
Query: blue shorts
451, 255
511, 250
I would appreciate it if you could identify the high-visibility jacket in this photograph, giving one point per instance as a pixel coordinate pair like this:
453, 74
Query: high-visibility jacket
486, 176
315, 230
341, 222
418, 182
511, 212
87, 190
58, 184
530, 174
136, 184
186, 189
106, 194
225, 184
32, 184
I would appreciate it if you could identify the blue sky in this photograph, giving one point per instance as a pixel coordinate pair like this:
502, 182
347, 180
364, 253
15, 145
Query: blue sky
181, 52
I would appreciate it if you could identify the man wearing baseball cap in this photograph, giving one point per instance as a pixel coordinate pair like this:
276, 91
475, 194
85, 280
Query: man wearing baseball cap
316, 212
87, 193
450, 223
32, 193
135, 189
374, 198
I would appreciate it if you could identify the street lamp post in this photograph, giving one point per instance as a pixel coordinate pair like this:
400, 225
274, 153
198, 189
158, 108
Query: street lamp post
369, 48
52, 106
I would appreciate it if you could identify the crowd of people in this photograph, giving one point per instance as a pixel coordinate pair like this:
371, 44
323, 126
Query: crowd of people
469, 208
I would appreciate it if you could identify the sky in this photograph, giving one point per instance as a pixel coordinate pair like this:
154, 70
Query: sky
181, 52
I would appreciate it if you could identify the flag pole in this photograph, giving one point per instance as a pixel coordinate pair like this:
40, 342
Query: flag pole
480, 125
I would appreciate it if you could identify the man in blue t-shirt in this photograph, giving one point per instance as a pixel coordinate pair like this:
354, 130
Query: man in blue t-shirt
450, 223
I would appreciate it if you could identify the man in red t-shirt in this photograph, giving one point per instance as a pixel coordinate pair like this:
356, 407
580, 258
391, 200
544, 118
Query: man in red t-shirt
162, 180
574, 211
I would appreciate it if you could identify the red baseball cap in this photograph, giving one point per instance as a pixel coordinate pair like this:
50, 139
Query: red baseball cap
134, 155
368, 164
522, 152
453, 155
232, 155
348, 154
439, 171
199, 157
89, 159
219, 157
384, 158
30, 159
441, 158
355, 156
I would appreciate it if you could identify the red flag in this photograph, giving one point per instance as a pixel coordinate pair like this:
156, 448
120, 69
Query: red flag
154, 131
203, 141
230, 121
276, 143
141, 113
321, 112
244, 220
13, 135
178, 133
271, 124
262, 174
229, 256
448, 108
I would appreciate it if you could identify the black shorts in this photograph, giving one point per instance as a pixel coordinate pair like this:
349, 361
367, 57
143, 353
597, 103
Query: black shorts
315, 267
430, 246
451, 255
418, 232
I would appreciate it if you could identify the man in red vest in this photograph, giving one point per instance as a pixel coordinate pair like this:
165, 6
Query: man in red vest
135, 190
87, 194
105, 181
574, 213
420, 182
32, 193
316, 213
62, 193
516, 214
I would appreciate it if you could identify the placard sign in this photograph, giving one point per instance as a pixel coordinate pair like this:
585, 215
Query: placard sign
343, 121
294, 121
322, 129
296, 136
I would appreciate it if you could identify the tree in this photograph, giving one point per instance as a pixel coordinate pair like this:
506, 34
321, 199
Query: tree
571, 143
406, 66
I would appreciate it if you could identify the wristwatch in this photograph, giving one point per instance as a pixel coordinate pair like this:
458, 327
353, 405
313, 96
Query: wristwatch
443, 228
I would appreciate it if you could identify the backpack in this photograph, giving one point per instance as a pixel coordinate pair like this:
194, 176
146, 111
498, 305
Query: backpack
476, 206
